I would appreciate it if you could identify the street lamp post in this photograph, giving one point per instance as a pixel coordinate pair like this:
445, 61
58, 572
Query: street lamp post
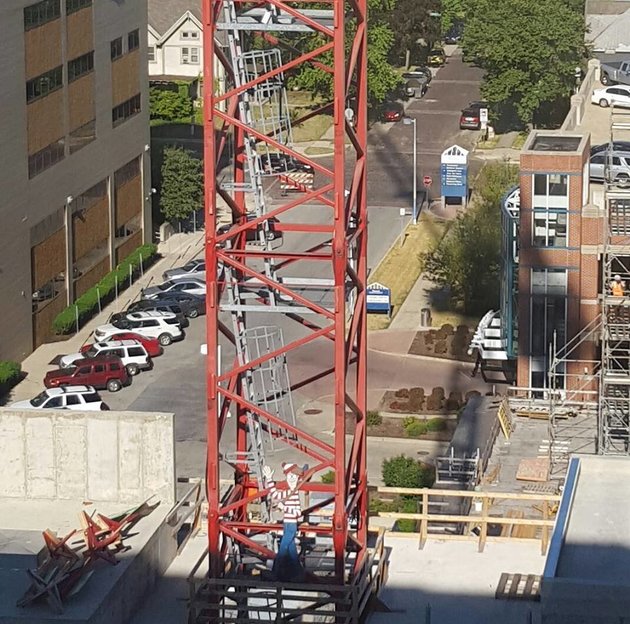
412, 121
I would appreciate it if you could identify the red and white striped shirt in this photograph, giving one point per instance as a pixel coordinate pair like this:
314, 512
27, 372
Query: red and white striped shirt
286, 500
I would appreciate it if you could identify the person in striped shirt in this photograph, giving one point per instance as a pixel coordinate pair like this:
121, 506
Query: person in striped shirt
286, 565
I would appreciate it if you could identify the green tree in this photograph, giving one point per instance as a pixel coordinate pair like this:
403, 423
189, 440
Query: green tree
382, 78
182, 184
452, 10
529, 50
170, 105
412, 21
467, 261
406, 472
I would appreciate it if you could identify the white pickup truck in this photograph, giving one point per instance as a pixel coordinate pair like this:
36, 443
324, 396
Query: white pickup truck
615, 73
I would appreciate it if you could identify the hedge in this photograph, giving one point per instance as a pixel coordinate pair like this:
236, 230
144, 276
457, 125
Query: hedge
87, 304
10, 374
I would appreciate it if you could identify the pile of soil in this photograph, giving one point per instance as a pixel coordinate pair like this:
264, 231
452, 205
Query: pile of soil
447, 343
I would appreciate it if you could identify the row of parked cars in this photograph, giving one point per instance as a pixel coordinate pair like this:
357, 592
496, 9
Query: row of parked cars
127, 344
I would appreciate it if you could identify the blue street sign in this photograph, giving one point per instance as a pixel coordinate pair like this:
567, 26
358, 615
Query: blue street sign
378, 298
454, 179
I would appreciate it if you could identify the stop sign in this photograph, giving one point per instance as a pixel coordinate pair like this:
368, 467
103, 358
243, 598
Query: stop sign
427, 181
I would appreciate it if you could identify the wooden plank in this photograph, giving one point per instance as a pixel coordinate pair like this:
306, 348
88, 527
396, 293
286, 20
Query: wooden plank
483, 534
533, 469
501, 586
515, 582
467, 494
529, 585
536, 522
504, 415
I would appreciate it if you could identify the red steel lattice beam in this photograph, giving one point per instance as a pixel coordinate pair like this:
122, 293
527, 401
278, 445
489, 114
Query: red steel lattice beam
344, 324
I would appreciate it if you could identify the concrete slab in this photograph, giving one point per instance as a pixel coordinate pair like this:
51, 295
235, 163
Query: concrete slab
113, 592
455, 582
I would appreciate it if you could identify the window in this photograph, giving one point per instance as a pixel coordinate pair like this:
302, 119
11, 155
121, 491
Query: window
114, 366
190, 56
99, 368
45, 158
151, 54
136, 352
85, 370
127, 173
133, 40
54, 402
190, 35
43, 85
149, 324
550, 228
72, 399
116, 48
92, 397
550, 205
76, 5
124, 111
41, 13
82, 136
80, 66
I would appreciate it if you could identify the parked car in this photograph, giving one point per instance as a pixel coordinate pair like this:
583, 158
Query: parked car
617, 72
188, 285
611, 167
152, 346
161, 325
436, 58
393, 111
418, 72
252, 235
617, 146
469, 119
416, 87
152, 305
609, 96
194, 268
454, 34
133, 355
82, 398
105, 371
190, 306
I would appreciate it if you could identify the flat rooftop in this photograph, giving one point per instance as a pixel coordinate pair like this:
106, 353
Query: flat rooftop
597, 541
555, 143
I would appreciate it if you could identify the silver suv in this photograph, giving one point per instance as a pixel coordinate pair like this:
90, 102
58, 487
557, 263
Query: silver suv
612, 167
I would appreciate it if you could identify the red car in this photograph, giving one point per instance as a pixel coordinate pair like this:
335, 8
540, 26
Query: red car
153, 347
105, 371
393, 111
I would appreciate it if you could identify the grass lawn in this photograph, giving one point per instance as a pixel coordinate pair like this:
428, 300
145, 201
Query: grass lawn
489, 144
318, 151
440, 317
401, 267
312, 129
519, 141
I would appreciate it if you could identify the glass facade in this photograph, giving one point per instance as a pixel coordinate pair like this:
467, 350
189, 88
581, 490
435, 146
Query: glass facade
550, 210
510, 209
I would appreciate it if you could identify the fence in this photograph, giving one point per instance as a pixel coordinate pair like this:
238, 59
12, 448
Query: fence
466, 525
582, 98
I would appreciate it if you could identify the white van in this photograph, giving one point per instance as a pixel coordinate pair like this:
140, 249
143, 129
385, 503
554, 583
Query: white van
133, 354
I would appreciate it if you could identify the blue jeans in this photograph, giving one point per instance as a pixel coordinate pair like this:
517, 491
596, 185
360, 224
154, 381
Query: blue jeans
286, 565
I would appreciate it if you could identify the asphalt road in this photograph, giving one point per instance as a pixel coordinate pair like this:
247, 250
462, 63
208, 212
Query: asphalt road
176, 383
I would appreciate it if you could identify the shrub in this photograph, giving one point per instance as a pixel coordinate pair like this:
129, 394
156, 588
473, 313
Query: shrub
10, 374
462, 330
398, 406
416, 428
416, 398
403, 393
328, 477
374, 418
454, 401
472, 393
87, 304
406, 525
408, 420
436, 424
440, 334
447, 328
440, 347
429, 337
406, 472
438, 392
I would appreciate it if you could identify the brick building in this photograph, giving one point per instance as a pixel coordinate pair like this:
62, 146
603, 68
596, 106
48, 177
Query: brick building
74, 155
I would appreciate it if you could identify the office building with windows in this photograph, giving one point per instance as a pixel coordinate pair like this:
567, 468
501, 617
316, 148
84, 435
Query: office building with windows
74, 155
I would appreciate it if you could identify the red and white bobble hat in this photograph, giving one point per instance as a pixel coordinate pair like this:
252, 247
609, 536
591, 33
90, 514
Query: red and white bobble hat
289, 467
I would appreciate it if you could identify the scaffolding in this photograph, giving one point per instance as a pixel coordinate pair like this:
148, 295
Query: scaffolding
614, 389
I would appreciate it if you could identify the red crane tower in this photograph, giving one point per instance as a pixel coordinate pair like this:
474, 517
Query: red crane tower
298, 258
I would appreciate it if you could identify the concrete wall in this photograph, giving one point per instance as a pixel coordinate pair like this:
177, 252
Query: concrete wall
115, 457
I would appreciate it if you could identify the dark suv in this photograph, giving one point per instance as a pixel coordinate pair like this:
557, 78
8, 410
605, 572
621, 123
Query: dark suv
191, 305
100, 372
161, 305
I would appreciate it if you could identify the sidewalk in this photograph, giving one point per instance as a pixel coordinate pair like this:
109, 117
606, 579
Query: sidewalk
175, 251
